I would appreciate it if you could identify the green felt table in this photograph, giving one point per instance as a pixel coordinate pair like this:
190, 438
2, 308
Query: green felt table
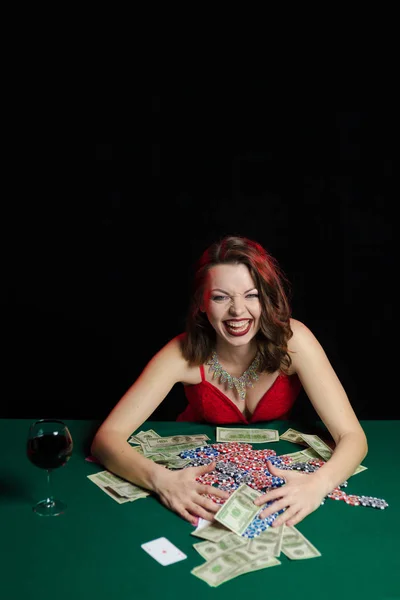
94, 549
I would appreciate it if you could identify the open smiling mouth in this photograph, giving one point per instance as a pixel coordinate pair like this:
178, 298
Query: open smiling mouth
238, 328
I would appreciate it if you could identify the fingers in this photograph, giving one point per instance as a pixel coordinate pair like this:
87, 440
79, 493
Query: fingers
206, 468
208, 504
204, 513
296, 518
273, 495
275, 507
272, 468
192, 511
202, 509
285, 517
209, 489
185, 514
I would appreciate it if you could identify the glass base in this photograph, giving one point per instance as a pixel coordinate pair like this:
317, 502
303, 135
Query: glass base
49, 508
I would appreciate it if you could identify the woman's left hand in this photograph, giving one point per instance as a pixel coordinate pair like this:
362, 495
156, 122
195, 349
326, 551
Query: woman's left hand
300, 495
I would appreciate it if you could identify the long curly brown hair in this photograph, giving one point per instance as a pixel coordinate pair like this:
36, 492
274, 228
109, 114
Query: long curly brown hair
273, 287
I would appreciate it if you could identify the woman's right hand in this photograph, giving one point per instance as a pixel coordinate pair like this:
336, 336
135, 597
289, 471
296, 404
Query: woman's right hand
180, 492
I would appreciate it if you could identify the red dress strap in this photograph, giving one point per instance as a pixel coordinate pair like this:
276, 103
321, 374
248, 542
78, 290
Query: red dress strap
203, 377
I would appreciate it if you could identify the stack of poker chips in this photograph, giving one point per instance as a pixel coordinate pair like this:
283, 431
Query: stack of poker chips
238, 463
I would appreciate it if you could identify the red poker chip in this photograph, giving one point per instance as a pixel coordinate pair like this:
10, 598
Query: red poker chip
337, 494
260, 483
215, 499
353, 500
287, 460
208, 478
263, 454
231, 447
252, 466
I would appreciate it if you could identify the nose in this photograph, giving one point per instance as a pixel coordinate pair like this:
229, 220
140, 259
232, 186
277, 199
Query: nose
237, 307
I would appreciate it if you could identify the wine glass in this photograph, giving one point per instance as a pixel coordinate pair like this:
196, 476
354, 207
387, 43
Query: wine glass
49, 447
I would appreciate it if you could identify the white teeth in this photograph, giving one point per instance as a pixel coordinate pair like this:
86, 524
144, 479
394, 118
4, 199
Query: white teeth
237, 324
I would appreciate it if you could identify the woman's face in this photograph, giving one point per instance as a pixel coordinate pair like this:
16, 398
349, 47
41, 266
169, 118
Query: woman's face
231, 302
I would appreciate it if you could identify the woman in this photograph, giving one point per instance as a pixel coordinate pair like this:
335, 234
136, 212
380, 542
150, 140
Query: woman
242, 359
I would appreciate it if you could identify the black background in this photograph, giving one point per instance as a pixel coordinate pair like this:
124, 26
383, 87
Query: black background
100, 239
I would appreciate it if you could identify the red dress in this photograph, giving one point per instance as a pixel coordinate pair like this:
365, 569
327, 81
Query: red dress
208, 404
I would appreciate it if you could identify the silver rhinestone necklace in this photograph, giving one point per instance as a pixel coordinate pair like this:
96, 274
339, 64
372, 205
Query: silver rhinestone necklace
239, 383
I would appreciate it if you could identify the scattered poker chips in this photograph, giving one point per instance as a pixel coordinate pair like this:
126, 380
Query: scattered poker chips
237, 463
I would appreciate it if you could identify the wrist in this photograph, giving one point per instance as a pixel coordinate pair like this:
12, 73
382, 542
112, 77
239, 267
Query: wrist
324, 481
157, 478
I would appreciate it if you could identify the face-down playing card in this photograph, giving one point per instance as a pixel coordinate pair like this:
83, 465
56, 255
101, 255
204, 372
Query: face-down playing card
163, 551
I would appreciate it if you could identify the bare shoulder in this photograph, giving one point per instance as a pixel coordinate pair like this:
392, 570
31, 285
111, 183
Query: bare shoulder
170, 357
303, 345
320, 382
166, 368
301, 335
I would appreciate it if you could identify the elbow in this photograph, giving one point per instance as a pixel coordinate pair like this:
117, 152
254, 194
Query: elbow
359, 441
364, 443
96, 447
365, 446
93, 449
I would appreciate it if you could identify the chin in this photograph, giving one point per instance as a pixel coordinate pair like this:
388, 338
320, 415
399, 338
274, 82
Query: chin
239, 341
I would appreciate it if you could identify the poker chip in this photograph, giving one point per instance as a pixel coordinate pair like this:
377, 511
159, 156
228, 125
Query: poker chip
316, 462
337, 494
373, 502
353, 500
238, 463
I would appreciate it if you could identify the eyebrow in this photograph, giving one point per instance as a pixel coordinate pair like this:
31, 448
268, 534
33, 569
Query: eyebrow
227, 293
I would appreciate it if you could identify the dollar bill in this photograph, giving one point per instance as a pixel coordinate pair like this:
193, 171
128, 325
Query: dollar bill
142, 436
117, 488
251, 436
138, 449
318, 445
173, 462
175, 440
210, 550
133, 440
291, 435
296, 546
359, 469
214, 532
148, 433
239, 510
309, 453
231, 564
263, 561
299, 456
170, 451
269, 541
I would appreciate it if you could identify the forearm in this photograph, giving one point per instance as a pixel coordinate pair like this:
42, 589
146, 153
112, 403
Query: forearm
348, 454
117, 456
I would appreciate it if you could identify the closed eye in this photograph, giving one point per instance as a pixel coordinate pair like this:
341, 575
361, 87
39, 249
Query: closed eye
222, 298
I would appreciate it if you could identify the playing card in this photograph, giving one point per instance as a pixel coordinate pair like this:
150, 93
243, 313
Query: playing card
202, 523
163, 551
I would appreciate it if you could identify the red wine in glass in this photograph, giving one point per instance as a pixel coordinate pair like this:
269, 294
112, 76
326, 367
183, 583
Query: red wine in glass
49, 447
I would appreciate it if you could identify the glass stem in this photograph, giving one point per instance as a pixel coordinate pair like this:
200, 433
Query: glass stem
50, 498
